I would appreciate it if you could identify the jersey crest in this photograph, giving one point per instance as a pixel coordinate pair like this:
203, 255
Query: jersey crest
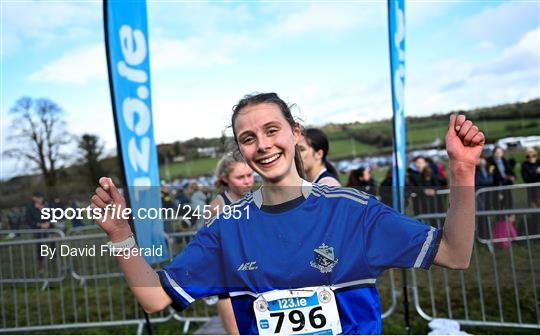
324, 259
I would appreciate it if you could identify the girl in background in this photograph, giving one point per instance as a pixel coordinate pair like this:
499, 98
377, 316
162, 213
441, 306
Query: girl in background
234, 179
314, 149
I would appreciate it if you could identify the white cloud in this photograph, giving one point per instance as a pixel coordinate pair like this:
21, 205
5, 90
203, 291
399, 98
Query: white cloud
522, 56
35, 24
486, 45
327, 18
219, 42
189, 115
418, 13
504, 22
168, 54
196, 51
511, 75
199, 18
75, 67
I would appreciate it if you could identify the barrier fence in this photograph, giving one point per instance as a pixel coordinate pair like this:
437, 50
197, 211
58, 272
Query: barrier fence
499, 289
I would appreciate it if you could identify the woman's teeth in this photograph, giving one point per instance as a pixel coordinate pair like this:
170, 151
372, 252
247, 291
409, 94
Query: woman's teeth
270, 159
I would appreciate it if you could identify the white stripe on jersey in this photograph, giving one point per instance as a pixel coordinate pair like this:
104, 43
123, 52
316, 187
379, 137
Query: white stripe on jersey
425, 248
337, 194
354, 283
325, 188
178, 289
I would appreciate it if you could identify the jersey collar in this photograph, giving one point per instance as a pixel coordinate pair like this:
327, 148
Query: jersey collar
258, 197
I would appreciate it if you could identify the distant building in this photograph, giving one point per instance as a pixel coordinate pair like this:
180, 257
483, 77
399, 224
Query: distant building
519, 142
208, 151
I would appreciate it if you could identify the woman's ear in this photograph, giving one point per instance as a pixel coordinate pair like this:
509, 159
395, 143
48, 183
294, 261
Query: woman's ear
297, 133
319, 154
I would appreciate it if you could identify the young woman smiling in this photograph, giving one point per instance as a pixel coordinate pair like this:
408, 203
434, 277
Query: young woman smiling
302, 257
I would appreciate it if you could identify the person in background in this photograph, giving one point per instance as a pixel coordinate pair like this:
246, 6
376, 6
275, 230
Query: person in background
234, 179
420, 181
385, 188
57, 203
166, 197
314, 150
437, 169
483, 177
530, 171
414, 172
197, 203
503, 175
34, 221
505, 231
428, 201
167, 203
75, 222
361, 179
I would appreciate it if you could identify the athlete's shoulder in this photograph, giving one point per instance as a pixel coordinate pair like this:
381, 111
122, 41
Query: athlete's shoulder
341, 193
329, 180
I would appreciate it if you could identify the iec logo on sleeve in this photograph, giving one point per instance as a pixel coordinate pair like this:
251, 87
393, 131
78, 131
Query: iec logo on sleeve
307, 311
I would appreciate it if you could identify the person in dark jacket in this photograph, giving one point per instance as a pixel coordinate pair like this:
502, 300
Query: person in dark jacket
422, 186
530, 171
503, 175
34, 221
385, 188
361, 179
483, 177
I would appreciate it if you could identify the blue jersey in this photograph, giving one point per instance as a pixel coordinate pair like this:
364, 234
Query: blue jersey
323, 174
225, 198
336, 237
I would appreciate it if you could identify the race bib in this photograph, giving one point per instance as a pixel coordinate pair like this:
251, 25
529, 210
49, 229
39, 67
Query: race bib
310, 311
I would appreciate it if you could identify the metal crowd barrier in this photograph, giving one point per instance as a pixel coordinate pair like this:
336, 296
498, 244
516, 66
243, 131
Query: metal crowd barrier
25, 265
500, 288
50, 297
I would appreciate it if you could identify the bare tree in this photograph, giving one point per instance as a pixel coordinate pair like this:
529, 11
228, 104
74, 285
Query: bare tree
91, 151
38, 135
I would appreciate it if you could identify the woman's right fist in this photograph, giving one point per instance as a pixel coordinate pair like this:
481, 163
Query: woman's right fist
106, 198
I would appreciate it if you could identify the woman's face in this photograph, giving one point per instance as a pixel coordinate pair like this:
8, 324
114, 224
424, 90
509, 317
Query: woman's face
420, 164
309, 156
366, 175
267, 141
240, 179
498, 153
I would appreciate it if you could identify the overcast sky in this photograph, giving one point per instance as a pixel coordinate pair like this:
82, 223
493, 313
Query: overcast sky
329, 58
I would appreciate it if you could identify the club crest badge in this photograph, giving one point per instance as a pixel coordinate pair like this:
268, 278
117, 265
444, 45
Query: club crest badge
324, 259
